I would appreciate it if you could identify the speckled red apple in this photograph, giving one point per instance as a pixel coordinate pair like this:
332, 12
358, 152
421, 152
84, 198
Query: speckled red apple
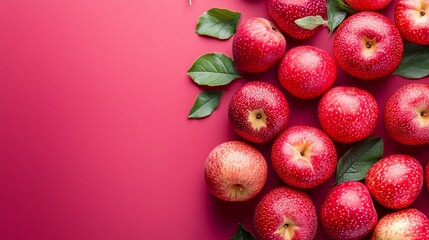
410, 224
367, 45
368, 5
257, 46
258, 112
307, 72
347, 211
235, 171
347, 114
285, 12
285, 214
406, 114
304, 156
412, 20
395, 181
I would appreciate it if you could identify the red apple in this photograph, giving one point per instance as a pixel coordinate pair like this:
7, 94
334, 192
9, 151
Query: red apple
235, 171
368, 5
304, 156
367, 45
347, 211
307, 72
410, 224
412, 20
257, 46
285, 12
347, 114
406, 114
258, 111
395, 181
285, 214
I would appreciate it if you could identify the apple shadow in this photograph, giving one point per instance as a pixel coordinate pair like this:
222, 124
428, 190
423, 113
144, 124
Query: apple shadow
227, 215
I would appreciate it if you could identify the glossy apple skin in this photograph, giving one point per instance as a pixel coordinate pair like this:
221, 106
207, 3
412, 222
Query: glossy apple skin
368, 5
307, 72
257, 46
253, 97
304, 156
395, 181
367, 45
285, 12
347, 114
235, 171
281, 203
412, 20
410, 224
405, 108
347, 211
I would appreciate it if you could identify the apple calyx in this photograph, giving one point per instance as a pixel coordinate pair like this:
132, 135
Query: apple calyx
421, 12
369, 46
303, 151
238, 191
257, 119
286, 229
423, 117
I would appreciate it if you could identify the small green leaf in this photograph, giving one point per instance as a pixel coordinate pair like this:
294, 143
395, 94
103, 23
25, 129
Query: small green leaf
213, 69
344, 6
242, 234
335, 15
415, 62
310, 22
355, 163
218, 23
205, 104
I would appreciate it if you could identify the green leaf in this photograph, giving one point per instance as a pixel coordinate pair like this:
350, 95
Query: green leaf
213, 69
343, 6
205, 104
310, 22
415, 62
335, 15
355, 163
218, 23
242, 234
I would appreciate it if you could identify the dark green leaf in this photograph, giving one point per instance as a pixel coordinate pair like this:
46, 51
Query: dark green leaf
218, 23
242, 234
310, 22
213, 69
354, 165
415, 62
205, 103
335, 15
343, 6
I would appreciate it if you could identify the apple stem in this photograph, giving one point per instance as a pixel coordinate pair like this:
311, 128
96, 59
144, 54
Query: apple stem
368, 45
424, 114
239, 187
258, 116
422, 12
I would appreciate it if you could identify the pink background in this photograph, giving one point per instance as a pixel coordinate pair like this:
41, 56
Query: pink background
95, 142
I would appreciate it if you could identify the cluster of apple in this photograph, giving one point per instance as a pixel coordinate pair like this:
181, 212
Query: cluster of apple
367, 45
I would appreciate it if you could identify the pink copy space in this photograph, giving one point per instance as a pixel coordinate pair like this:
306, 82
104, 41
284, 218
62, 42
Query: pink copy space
94, 137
